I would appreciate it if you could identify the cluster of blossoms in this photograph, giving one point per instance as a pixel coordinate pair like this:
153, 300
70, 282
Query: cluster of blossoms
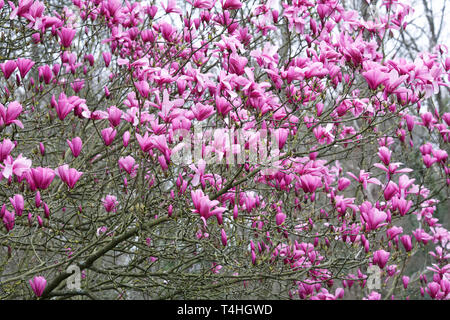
117, 113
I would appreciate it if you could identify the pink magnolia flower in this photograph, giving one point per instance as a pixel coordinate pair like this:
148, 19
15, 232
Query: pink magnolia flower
171, 7
385, 155
394, 232
199, 172
40, 178
402, 205
310, 183
433, 289
343, 183
406, 241
429, 160
380, 258
364, 178
373, 217
8, 219
202, 112
390, 190
440, 155
66, 36
107, 58
426, 148
24, 66
405, 280
45, 73
126, 138
127, 164
223, 237
145, 142
279, 218
5, 149
281, 135
18, 167
38, 285
204, 206
68, 175
77, 85
375, 77
75, 146
110, 203
143, 88
108, 135
114, 116
232, 5
18, 204
9, 115
8, 68
223, 106
63, 107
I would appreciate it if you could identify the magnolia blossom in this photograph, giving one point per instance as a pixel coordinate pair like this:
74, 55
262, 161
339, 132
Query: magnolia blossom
38, 285
69, 175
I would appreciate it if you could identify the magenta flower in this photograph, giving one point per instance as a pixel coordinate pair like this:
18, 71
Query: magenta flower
114, 116
143, 88
374, 78
18, 204
5, 149
373, 217
433, 289
145, 142
204, 206
279, 218
394, 232
310, 183
380, 258
75, 146
64, 107
41, 148
390, 190
40, 178
66, 36
18, 167
9, 115
110, 203
9, 219
440, 155
108, 135
126, 138
281, 135
38, 285
385, 155
223, 106
406, 241
426, 148
127, 164
202, 112
68, 175
45, 73
223, 237
232, 5
77, 85
405, 280
428, 160
24, 66
343, 183
8, 68
107, 58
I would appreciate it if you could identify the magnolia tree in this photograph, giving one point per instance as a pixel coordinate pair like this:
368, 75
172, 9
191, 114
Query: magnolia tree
220, 150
